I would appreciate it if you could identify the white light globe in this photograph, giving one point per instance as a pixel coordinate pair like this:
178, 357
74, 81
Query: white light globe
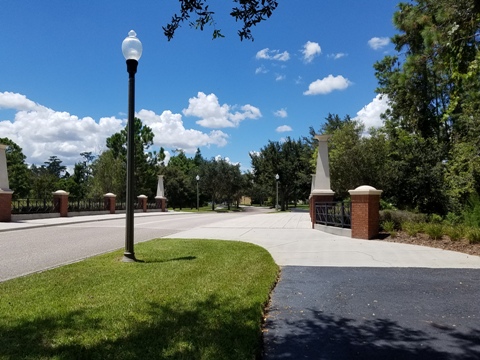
132, 47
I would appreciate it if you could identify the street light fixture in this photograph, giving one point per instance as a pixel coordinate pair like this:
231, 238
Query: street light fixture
132, 51
277, 177
198, 179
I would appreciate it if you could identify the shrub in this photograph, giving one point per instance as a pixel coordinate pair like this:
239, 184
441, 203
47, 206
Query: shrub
434, 231
471, 214
454, 232
453, 219
399, 217
388, 226
411, 228
435, 219
473, 236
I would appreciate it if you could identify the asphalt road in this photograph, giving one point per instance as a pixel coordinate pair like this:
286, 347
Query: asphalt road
30, 250
374, 313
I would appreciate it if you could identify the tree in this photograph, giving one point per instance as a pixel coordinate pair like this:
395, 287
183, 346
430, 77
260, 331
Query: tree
18, 173
146, 165
291, 161
108, 176
250, 12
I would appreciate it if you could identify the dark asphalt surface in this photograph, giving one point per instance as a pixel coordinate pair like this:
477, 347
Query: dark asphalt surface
374, 313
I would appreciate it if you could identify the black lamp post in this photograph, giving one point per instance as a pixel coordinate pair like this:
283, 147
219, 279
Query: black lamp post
132, 51
198, 179
277, 177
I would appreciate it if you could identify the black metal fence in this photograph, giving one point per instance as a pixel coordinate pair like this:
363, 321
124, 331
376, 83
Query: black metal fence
86, 205
334, 214
33, 206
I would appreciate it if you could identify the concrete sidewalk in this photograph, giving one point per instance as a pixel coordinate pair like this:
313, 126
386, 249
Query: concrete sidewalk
291, 241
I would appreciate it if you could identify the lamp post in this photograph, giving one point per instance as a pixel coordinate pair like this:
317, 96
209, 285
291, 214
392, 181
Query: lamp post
132, 51
198, 179
277, 177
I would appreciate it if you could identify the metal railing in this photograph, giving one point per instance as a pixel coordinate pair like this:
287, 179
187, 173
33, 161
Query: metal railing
334, 214
86, 205
33, 206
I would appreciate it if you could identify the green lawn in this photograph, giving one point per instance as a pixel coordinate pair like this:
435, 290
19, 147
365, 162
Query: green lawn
186, 299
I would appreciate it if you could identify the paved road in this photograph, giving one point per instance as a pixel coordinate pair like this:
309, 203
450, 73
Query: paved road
36, 245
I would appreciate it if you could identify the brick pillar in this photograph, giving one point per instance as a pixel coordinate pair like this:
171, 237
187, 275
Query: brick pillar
365, 212
319, 196
142, 202
5, 205
161, 203
60, 201
110, 202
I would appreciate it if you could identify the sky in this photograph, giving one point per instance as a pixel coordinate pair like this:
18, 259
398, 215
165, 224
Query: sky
64, 84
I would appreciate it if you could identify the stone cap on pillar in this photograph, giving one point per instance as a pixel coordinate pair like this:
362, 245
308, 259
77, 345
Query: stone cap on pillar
160, 197
365, 190
142, 196
60, 192
322, 192
6, 191
110, 195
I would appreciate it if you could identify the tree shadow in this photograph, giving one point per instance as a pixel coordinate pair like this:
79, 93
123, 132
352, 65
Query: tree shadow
323, 336
165, 331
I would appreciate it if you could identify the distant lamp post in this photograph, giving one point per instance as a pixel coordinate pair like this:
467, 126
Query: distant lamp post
277, 177
132, 51
198, 179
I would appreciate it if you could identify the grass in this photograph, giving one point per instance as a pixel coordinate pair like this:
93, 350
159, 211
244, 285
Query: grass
187, 299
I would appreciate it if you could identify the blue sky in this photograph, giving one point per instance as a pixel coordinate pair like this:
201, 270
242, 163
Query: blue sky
64, 85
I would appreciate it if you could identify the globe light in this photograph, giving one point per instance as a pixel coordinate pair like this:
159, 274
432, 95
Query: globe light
132, 47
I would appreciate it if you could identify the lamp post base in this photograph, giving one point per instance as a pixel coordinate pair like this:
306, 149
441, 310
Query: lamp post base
128, 257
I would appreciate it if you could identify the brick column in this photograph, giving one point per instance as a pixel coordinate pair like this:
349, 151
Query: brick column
365, 212
319, 196
110, 202
60, 201
5, 205
142, 202
161, 203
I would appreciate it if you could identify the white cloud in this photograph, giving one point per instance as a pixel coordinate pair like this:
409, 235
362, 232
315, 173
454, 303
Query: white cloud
261, 70
327, 85
377, 43
337, 56
280, 77
310, 50
370, 114
170, 132
281, 113
267, 54
213, 115
42, 132
9, 100
283, 128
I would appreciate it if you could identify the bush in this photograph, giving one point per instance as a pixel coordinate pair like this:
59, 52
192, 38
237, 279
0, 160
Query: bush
435, 219
399, 217
455, 233
471, 214
388, 226
412, 228
473, 236
434, 231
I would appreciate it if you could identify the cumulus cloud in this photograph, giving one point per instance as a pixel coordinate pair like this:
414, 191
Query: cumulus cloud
267, 54
281, 113
280, 77
310, 50
42, 132
370, 114
327, 85
216, 116
283, 128
377, 43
